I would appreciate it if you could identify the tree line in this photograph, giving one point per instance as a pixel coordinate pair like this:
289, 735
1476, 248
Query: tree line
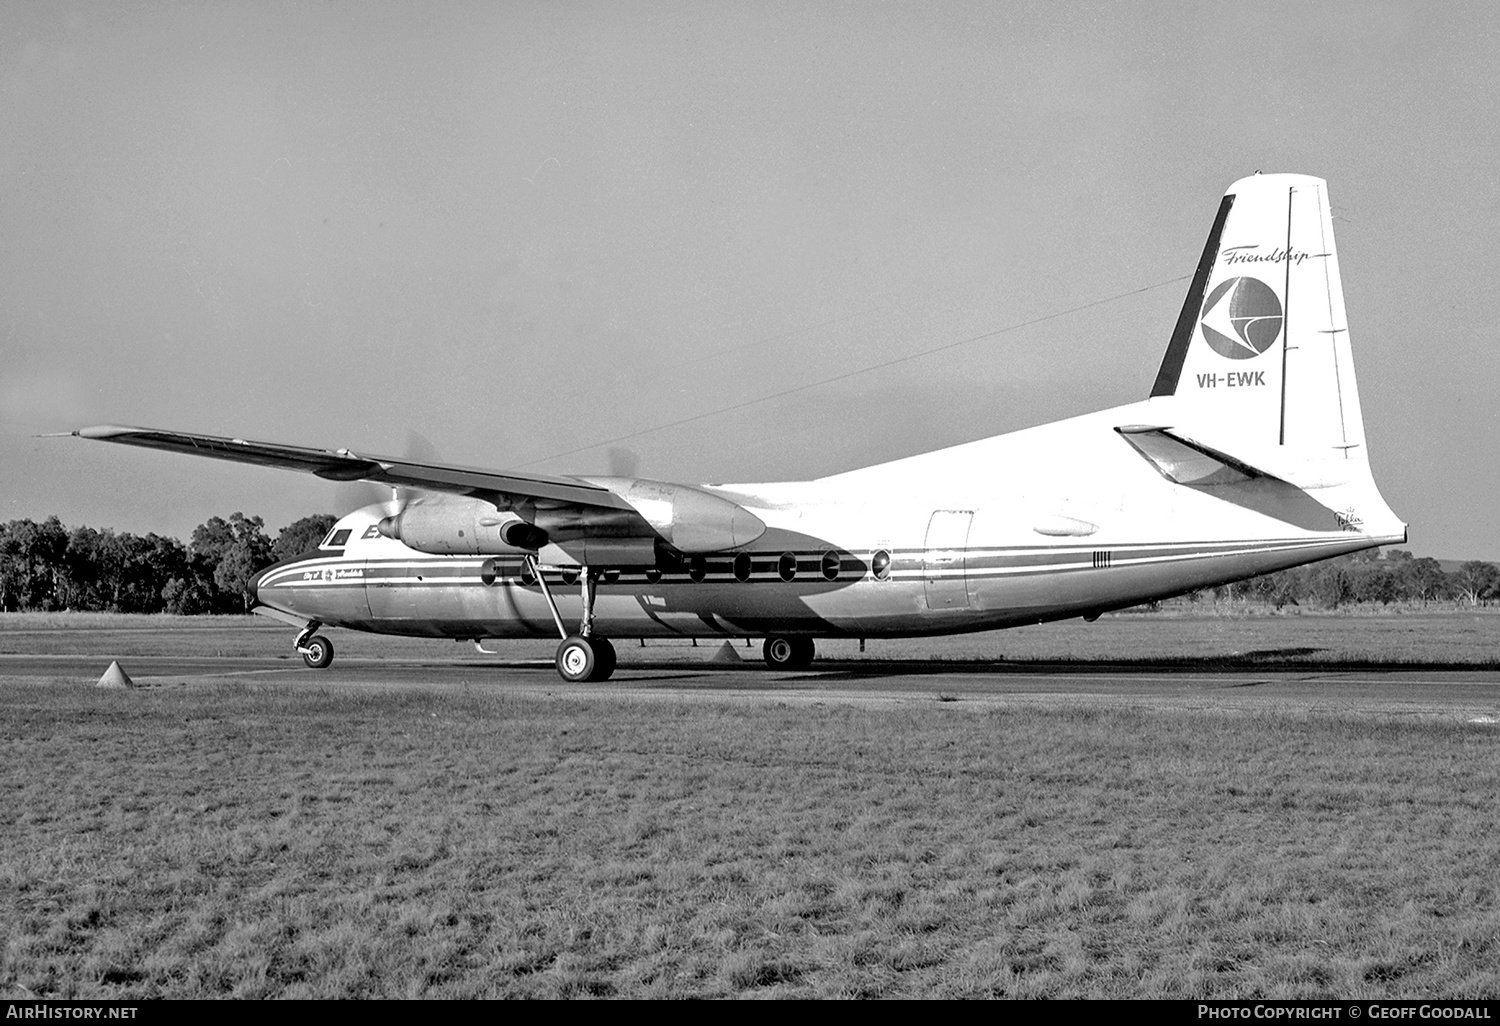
46, 566
1371, 578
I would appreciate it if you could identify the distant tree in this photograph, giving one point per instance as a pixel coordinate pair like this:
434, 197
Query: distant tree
31, 564
81, 562
1375, 582
226, 556
1331, 582
212, 538
1422, 579
186, 596
12, 568
1281, 589
150, 564
1475, 580
302, 535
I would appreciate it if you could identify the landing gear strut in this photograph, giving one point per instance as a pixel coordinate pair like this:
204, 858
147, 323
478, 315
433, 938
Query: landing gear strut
316, 651
788, 653
583, 656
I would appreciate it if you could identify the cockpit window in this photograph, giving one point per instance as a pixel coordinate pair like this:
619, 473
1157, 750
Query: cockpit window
336, 538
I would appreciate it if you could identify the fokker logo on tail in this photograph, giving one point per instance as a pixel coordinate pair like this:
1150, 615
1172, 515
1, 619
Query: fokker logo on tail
1241, 318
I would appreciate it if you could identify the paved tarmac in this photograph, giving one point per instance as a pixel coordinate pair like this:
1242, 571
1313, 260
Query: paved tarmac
1471, 696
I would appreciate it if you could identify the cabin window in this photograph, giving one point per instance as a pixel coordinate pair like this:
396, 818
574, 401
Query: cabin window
697, 569
489, 572
786, 566
831, 565
742, 567
880, 565
653, 575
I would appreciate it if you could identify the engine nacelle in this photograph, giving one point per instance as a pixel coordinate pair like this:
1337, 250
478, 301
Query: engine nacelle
444, 526
690, 519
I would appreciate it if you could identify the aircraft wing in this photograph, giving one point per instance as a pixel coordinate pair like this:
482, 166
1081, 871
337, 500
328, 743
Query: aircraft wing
503, 489
692, 519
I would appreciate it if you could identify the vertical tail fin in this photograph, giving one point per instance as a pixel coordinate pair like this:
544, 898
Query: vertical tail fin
1260, 356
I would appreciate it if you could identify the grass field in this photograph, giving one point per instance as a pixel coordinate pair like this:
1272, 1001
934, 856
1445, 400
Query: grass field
276, 840
1246, 635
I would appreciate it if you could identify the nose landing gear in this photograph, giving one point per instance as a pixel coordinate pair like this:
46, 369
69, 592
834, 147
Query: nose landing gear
316, 652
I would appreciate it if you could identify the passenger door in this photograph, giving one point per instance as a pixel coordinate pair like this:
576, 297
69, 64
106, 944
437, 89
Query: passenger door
943, 561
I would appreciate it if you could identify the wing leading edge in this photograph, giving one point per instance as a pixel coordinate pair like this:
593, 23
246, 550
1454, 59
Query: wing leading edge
502, 489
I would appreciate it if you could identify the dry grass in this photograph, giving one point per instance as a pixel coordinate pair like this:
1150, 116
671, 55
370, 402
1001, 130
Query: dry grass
257, 841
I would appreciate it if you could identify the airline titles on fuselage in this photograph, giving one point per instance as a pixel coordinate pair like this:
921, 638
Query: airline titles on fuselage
330, 574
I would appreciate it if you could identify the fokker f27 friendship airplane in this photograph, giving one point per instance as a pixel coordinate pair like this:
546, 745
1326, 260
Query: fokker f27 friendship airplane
1248, 457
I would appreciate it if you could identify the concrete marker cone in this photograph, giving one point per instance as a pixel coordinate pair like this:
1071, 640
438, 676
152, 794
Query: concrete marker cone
115, 677
726, 654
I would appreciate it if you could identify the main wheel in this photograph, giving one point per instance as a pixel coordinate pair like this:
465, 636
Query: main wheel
788, 653
318, 652
604, 658
576, 659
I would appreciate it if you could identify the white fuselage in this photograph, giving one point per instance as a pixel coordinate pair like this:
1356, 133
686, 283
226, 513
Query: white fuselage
1062, 520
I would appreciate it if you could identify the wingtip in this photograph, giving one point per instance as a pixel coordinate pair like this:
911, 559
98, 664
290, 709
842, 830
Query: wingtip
103, 431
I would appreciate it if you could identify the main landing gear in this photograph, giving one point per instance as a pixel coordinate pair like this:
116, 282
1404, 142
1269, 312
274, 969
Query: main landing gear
584, 656
784, 653
317, 652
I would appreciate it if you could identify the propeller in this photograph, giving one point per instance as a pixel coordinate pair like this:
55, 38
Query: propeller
624, 461
356, 494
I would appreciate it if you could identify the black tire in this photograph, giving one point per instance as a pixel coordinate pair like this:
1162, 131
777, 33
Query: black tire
317, 652
576, 659
604, 659
783, 653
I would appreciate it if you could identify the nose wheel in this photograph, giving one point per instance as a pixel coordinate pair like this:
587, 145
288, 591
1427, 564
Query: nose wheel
316, 651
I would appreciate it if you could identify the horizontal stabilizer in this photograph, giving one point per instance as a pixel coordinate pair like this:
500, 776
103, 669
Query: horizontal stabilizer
1185, 461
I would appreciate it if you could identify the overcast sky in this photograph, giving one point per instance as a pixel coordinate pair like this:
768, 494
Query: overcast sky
525, 230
